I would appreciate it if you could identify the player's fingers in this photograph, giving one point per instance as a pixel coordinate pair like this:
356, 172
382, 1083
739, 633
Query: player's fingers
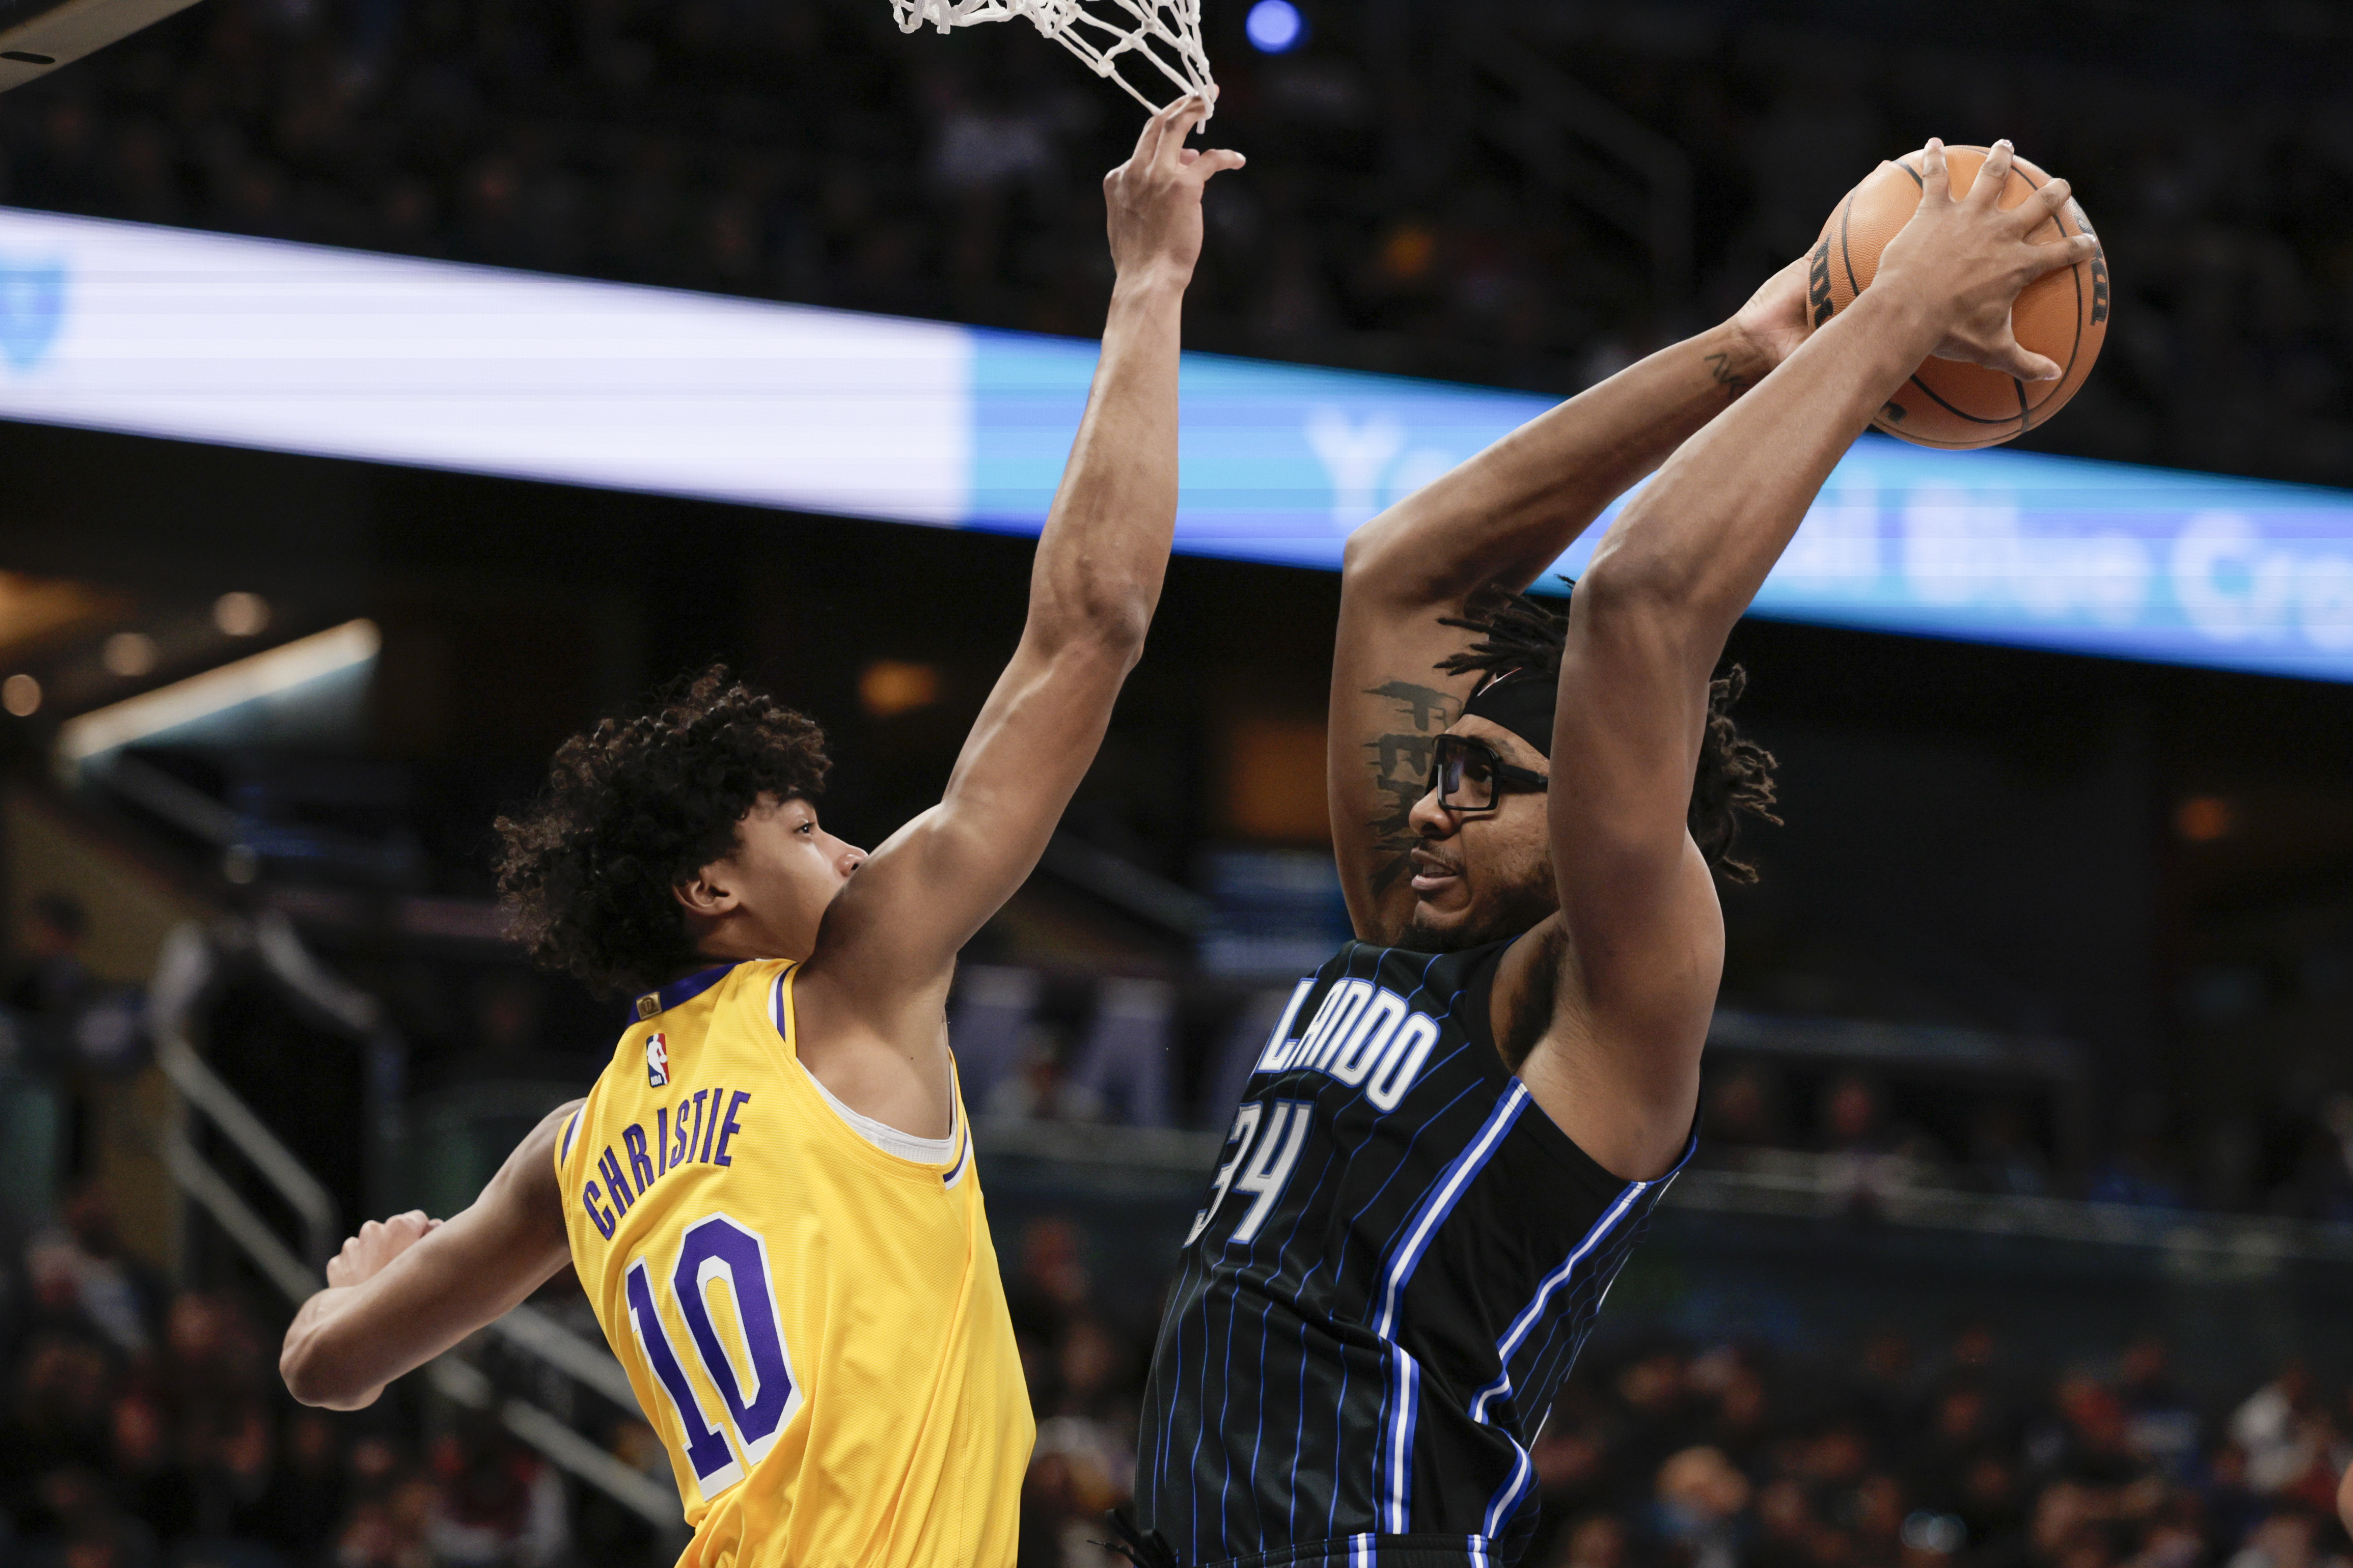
1181, 117
1936, 180
2044, 202
2072, 251
1149, 139
1216, 161
2033, 367
1993, 176
2012, 357
1147, 142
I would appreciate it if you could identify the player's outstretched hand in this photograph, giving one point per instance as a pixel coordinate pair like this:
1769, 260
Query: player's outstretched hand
1967, 259
1154, 198
377, 1244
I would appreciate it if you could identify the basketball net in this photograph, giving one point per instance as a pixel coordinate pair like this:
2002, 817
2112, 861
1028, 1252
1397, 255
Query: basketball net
1167, 33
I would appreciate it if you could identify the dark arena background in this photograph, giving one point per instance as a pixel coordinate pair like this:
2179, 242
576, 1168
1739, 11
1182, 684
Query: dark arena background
2021, 1231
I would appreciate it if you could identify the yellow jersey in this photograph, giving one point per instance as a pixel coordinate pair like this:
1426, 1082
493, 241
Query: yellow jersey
815, 1325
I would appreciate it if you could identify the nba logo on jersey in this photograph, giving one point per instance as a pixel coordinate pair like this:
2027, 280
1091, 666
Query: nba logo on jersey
657, 1061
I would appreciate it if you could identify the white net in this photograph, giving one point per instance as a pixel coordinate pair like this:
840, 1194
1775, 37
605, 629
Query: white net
1166, 33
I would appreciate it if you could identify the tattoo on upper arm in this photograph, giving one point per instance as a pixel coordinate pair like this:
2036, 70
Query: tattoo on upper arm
1400, 761
1719, 365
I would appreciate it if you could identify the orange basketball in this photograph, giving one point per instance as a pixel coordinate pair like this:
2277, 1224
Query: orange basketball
2063, 315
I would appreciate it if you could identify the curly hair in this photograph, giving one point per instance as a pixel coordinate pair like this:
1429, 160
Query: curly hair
636, 806
1735, 778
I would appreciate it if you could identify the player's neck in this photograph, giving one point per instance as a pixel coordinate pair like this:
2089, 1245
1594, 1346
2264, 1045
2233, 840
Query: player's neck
742, 938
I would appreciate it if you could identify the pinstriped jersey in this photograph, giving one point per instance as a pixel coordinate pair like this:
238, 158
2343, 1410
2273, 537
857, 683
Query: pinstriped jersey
815, 1325
1398, 1258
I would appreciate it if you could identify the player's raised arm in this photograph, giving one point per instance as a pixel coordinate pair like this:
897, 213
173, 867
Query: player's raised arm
889, 939
405, 1290
1619, 1063
1501, 518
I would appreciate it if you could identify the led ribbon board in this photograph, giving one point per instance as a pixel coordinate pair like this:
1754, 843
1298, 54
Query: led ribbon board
340, 353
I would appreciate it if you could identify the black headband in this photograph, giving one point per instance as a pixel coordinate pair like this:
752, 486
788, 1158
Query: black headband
1521, 700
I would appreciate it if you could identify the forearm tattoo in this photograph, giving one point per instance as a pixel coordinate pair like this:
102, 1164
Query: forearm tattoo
1719, 365
1400, 760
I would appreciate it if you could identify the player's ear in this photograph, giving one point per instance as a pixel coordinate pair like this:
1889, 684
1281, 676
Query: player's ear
706, 893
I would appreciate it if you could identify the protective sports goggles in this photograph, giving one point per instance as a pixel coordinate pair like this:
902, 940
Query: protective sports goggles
1469, 775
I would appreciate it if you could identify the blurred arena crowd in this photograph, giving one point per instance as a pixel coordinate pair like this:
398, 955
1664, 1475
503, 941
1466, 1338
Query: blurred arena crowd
142, 1424
1902, 1451
145, 1429
147, 1426
1413, 204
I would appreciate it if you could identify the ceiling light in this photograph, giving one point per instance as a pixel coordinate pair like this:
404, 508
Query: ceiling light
129, 655
241, 614
267, 674
1275, 26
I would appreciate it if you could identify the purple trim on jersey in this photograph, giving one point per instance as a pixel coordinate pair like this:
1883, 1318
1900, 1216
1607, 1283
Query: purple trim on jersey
678, 992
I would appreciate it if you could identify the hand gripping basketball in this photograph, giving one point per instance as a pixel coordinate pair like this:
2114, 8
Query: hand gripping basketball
2008, 270
1969, 258
1152, 202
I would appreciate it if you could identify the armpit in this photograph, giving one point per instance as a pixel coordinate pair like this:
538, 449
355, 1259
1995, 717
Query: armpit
1525, 1011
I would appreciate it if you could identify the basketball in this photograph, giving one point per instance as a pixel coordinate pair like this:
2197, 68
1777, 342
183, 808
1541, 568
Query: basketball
2063, 315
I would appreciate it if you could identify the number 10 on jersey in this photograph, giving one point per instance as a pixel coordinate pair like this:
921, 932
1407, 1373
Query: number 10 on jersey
760, 1400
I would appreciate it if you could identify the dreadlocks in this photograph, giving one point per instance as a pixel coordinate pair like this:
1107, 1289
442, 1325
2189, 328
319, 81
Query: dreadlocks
1735, 777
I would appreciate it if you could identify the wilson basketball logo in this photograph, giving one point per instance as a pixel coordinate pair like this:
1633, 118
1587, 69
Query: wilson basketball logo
657, 1061
1818, 281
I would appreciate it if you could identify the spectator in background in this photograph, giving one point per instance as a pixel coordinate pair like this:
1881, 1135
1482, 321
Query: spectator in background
1597, 1541
2270, 1429
49, 980
78, 1272
1700, 1512
499, 1505
180, 1452
1041, 1089
1745, 1113
46, 987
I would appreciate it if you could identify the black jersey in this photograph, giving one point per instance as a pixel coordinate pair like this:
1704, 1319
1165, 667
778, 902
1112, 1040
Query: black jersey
1400, 1256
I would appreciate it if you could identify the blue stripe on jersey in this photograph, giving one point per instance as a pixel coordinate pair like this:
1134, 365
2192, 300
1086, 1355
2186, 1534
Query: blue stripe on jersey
1533, 1312
1441, 1202
1517, 1488
1507, 1503
1393, 1498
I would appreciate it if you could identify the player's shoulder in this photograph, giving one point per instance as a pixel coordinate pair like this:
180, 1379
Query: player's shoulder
729, 1009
